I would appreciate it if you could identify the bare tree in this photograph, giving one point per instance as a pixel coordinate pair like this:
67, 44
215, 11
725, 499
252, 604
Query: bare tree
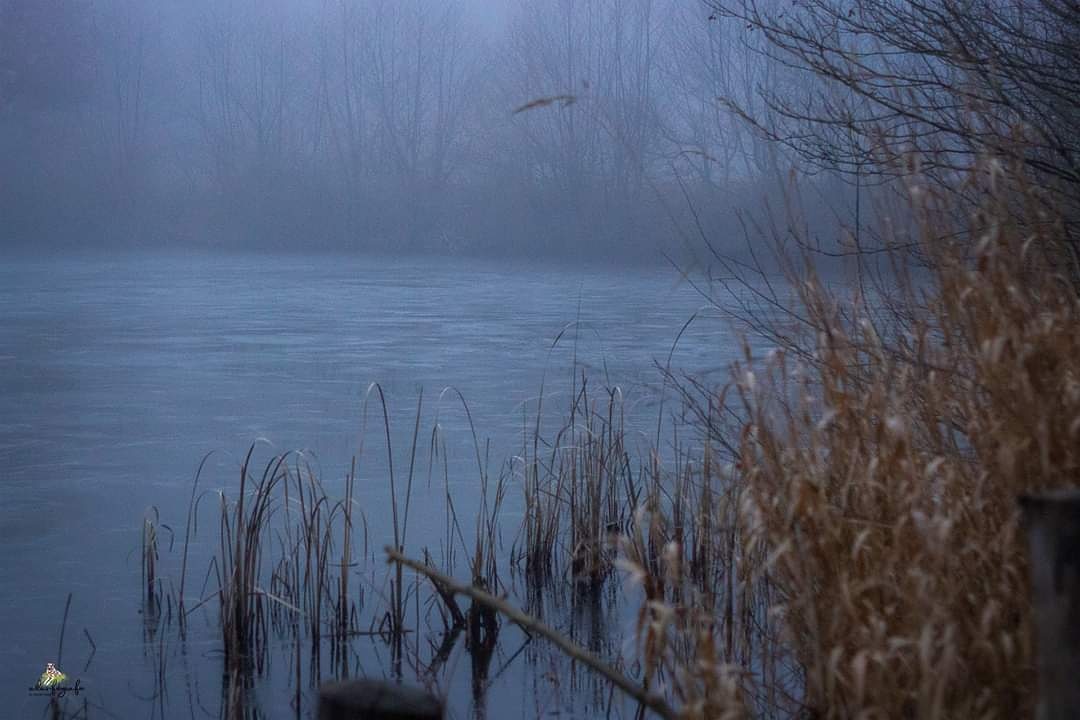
588, 72
122, 35
394, 78
950, 79
709, 64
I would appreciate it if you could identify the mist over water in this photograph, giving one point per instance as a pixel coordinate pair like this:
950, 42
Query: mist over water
467, 281
222, 223
119, 374
379, 126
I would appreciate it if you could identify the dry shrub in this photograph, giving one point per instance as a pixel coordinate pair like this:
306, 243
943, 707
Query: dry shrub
881, 474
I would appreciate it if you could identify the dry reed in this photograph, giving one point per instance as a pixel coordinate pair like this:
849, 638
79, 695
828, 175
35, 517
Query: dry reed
880, 477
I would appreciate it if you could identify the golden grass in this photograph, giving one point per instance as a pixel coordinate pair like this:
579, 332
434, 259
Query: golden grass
881, 478
863, 556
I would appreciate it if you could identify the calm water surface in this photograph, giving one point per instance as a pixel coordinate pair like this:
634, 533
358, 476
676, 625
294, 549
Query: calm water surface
118, 375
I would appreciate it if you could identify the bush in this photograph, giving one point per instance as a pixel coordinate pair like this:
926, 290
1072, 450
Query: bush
880, 464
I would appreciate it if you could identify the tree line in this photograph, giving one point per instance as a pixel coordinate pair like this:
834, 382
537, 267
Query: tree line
574, 128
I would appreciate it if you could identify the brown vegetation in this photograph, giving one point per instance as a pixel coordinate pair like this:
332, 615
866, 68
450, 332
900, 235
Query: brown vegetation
881, 476
866, 543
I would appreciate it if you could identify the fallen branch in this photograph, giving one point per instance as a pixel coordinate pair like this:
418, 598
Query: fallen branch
447, 597
651, 700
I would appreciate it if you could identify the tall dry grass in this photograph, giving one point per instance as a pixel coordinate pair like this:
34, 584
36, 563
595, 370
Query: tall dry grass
579, 493
863, 555
880, 477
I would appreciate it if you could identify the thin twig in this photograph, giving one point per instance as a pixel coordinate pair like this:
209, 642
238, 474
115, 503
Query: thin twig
93, 650
63, 627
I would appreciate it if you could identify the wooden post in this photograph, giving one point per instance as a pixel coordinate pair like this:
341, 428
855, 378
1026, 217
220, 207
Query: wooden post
376, 700
1053, 529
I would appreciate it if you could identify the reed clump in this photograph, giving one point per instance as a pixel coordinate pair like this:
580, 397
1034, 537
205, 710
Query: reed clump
157, 601
880, 476
283, 566
862, 555
580, 493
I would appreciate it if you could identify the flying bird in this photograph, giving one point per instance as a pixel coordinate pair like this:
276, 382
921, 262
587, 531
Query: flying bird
545, 101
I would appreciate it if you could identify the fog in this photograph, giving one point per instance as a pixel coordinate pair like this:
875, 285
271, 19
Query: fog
555, 129
362, 242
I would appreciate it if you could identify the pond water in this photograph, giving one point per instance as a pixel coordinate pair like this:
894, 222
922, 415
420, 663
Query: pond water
117, 375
